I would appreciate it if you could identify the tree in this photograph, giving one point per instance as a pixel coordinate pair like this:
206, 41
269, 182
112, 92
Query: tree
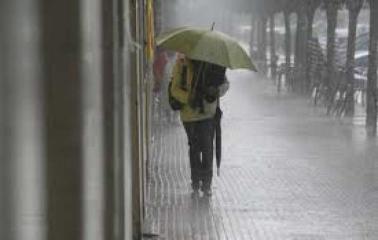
287, 15
354, 8
253, 35
262, 39
273, 60
371, 110
262, 11
311, 7
300, 45
332, 11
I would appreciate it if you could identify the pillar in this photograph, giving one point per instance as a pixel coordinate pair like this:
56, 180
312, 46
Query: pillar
21, 184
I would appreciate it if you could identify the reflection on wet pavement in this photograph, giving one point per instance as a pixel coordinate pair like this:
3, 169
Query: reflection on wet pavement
288, 172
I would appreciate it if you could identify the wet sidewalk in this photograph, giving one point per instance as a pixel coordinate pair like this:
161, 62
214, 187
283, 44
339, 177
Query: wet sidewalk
289, 172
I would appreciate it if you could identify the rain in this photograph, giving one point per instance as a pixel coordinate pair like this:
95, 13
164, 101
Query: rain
297, 162
188, 119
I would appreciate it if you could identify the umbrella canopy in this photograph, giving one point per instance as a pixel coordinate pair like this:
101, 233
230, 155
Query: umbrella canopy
206, 45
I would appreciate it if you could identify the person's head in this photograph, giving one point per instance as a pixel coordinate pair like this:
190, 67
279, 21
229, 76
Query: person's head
182, 58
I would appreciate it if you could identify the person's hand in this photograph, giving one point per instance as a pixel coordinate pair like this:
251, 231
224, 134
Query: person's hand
213, 91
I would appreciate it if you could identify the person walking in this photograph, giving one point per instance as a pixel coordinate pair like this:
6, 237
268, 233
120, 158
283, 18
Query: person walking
199, 100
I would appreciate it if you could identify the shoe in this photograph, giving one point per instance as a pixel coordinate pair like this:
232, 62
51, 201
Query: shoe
205, 186
207, 192
206, 189
195, 193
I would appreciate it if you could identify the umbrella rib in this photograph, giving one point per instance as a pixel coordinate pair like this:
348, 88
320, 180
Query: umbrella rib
172, 37
228, 54
196, 43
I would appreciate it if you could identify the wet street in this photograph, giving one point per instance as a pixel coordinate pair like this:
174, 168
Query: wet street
288, 172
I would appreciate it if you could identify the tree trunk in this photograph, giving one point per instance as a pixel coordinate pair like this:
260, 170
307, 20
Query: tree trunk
300, 50
354, 7
273, 58
259, 39
310, 22
331, 10
311, 8
287, 41
309, 28
353, 15
297, 42
264, 40
262, 46
252, 36
371, 111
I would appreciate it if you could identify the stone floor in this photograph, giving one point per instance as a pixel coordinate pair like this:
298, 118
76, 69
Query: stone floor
289, 172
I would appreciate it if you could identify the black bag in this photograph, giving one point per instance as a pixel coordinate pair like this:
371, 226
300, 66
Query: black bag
206, 76
215, 76
173, 102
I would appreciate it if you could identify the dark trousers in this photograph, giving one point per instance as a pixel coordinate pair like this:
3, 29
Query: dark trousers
201, 141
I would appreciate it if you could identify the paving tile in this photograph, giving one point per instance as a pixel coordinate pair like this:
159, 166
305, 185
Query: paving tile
289, 172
